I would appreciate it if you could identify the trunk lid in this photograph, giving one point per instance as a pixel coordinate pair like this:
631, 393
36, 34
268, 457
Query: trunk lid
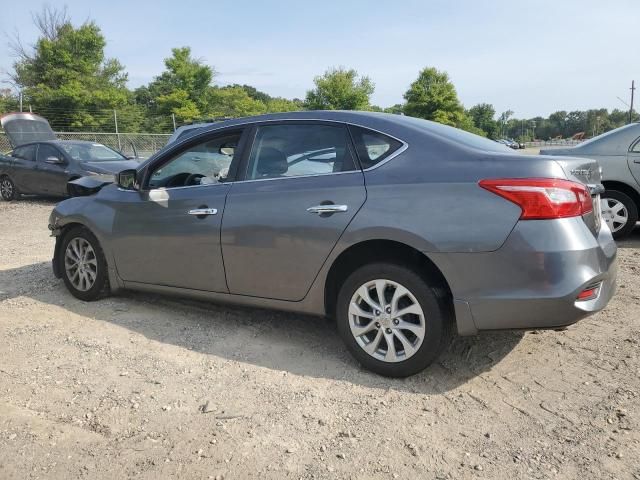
587, 171
22, 128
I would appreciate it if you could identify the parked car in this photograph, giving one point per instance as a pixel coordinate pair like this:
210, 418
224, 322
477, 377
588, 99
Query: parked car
190, 128
43, 165
401, 229
618, 154
516, 144
510, 143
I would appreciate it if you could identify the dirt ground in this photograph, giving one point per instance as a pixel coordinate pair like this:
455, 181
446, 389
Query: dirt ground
150, 387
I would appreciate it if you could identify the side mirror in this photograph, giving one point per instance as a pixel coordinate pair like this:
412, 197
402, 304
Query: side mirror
227, 149
126, 179
55, 161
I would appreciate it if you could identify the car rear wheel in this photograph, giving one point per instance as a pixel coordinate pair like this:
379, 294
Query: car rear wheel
619, 211
8, 189
392, 321
83, 266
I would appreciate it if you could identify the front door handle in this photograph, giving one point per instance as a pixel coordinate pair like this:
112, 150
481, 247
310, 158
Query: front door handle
330, 208
203, 212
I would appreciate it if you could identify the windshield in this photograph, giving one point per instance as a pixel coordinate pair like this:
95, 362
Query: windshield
91, 152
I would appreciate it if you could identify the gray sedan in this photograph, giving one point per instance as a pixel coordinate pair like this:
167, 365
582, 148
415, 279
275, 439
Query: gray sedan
403, 230
618, 154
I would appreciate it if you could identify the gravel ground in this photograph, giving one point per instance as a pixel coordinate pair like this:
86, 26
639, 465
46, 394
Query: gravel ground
150, 387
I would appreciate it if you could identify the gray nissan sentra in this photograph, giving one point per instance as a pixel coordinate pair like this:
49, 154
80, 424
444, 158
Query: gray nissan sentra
401, 229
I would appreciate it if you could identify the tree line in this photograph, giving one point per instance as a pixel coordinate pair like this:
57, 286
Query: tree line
66, 77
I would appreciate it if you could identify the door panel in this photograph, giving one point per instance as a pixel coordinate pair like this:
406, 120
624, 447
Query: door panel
52, 178
634, 164
157, 241
272, 246
162, 236
24, 170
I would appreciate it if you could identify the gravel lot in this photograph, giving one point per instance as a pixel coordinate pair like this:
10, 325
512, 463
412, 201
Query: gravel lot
149, 387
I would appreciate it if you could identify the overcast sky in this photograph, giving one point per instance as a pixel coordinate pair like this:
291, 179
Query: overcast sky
532, 57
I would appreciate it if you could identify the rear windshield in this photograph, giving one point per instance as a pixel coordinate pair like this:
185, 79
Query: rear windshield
458, 136
610, 133
91, 152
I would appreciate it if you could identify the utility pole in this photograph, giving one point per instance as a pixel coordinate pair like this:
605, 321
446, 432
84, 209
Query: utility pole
173, 117
633, 87
20, 100
115, 120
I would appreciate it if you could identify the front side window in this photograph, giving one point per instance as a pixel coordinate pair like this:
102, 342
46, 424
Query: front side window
373, 147
25, 153
45, 151
297, 150
201, 164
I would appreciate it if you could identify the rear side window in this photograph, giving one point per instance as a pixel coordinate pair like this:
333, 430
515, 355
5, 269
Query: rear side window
373, 147
635, 148
299, 150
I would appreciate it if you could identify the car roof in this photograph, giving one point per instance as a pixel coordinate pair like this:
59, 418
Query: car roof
402, 127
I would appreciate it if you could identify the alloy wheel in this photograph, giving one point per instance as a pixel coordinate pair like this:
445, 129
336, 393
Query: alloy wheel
6, 189
615, 213
81, 264
386, 320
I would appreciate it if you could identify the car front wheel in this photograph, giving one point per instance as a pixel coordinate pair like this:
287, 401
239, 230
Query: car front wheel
392, 321
8, 189
83, 266
619, 211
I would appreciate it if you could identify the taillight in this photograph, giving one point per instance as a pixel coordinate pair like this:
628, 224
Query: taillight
543, 198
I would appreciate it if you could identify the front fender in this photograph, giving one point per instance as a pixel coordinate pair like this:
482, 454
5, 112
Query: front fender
92, 213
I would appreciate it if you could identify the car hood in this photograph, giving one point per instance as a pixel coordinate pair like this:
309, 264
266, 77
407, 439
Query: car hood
109, 167
89, 185
24, 128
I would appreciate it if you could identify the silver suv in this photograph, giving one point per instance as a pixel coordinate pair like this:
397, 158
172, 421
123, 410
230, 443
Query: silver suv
618, 154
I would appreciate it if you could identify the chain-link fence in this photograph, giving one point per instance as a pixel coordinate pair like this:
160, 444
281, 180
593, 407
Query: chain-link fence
566, 142
142, 144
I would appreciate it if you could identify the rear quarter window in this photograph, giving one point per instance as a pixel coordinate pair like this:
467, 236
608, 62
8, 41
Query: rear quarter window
373, 147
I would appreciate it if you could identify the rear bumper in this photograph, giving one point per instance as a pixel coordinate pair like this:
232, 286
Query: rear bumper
533, 280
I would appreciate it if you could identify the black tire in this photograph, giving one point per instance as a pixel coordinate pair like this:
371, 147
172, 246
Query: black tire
8, 189
632, 212
437, 316
100, 287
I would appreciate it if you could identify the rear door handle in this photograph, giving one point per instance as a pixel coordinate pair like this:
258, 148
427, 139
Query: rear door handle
637, 160
330, 208
202, 212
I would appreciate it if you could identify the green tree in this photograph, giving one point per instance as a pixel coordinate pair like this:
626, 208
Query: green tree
483, 117
279, 104
182, 89
253, 92
397, 109
433, 97
340, 89
232, 101
66, 77
8, 101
